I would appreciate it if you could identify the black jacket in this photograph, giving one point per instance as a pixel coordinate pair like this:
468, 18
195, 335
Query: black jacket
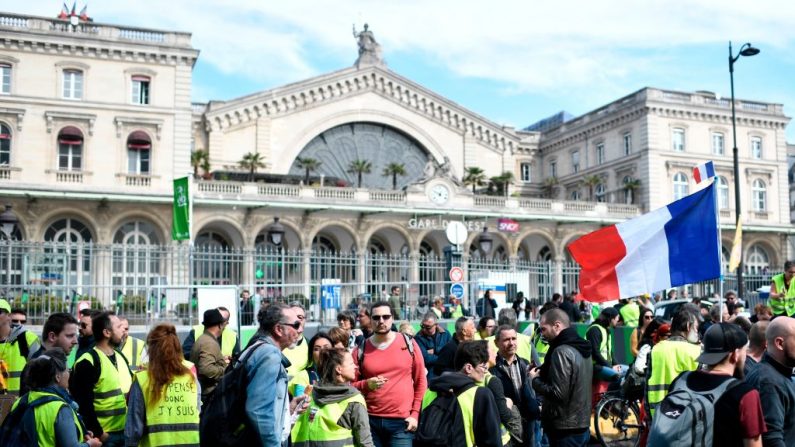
434, 342
444, 361
525, 398
777, 393
485, 418
565, 384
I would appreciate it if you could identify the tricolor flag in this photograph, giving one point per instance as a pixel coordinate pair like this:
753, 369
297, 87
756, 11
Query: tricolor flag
703, 172
64, 12
668, 247
84, 13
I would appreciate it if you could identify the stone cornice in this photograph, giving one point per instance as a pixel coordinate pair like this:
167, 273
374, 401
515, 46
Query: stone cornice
351, 81
609, 122
716, 116
88, 118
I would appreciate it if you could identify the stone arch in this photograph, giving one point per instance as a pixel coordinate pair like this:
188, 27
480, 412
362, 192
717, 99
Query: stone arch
161, 227
498, 238
69, 213
769, 248
388, 226
288, 225
225, 225
524, 235
345, 226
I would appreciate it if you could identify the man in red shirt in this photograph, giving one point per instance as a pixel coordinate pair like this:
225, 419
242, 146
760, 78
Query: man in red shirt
739, 420
392, 380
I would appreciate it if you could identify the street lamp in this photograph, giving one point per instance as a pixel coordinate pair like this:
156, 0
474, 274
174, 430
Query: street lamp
485, 242
276, 236
745, 50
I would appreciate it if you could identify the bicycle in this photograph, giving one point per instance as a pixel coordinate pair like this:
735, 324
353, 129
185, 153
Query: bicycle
617, 420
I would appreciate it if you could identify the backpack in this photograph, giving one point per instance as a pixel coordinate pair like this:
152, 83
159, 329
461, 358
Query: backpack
406, 338
441, 421
21, 422
685, 417
223, 417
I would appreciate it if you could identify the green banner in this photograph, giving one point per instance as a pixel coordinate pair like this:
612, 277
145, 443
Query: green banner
181, 224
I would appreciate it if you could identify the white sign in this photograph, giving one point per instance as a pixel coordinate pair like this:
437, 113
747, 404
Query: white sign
456, 274
441, 224
456, 233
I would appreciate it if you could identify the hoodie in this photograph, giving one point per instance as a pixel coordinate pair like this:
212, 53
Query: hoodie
485, 416
355, 415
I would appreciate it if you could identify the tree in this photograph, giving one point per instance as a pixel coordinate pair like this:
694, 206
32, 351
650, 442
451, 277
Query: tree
394, 169
550, 187
591, 181
501, 182
200, 159
251, 161
308, 165
630, 186
474, 176
360, 167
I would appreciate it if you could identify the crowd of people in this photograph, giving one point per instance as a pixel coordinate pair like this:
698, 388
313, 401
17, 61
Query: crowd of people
372, 381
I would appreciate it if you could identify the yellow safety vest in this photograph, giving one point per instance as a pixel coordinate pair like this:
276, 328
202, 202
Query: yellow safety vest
786, 305
45, 416
174, 419
505, 436
227, 340
669, 358
630, 313
317, 426
298, 357
542, 346
466, 401
110, 403
15, 361
133, 349
457, 312
606, 348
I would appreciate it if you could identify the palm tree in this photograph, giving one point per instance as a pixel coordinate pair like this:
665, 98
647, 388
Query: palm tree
251, 161
200, 159
591, 181
474, 176
394, 169
308, 165
550, 186
507, 179
630, 187
359, 167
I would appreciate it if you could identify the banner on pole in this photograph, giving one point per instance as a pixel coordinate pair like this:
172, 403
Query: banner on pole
737, 248
181, 210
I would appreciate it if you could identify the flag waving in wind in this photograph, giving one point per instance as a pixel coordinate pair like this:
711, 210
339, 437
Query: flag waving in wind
703, 172
668, 247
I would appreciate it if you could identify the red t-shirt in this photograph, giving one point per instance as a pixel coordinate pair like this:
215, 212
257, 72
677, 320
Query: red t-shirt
401, 396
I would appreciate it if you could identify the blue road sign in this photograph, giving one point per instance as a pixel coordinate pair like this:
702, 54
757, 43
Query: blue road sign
457, 289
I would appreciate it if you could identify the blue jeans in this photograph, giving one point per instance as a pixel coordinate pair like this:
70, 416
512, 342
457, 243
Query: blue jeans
606, 374
580, 440
390, 432
116, 439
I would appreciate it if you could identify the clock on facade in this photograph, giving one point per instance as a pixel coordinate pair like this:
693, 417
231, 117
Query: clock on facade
439, 194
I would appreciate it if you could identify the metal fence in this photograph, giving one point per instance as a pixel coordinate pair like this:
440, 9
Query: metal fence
157, 281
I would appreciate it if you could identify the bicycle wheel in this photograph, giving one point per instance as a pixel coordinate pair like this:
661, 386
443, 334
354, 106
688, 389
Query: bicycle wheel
617, 422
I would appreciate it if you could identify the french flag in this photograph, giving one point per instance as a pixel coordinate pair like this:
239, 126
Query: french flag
703, 172
668, 247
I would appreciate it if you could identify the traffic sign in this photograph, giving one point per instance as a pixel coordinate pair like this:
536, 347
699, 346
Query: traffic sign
456, 274
456, 232
457, 290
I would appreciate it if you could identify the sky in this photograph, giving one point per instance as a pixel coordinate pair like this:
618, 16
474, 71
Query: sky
513, 62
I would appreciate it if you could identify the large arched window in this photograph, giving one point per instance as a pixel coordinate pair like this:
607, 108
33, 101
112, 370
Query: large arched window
681, 187
5, 145
139, 149
72, 253
757, 262
136, 258
431, 269
759, 193
70, 149
325, 261
215, 261
723, 193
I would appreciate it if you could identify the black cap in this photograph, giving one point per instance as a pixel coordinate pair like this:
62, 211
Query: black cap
212, 317
610, 312
719, 341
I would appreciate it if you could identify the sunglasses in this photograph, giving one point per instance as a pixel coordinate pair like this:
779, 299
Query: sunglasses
381, 317
296, 325
19, 321
427, 327
647, 317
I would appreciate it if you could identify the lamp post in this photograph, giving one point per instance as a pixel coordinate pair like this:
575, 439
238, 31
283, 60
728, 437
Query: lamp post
8, 222
745, 50
485, 242
276, 236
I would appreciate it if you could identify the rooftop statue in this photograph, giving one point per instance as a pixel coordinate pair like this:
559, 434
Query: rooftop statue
369, 49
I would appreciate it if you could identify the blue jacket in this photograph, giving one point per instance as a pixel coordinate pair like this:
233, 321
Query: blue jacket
435, 342
266, 369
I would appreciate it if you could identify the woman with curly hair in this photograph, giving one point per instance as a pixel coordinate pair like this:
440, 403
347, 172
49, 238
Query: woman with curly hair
164, 402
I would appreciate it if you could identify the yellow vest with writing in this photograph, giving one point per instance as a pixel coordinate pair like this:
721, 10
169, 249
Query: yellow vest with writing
174, 419
110, 403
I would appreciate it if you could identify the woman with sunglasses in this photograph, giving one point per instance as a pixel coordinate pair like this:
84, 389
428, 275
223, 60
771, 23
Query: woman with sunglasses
646, 316
309, 376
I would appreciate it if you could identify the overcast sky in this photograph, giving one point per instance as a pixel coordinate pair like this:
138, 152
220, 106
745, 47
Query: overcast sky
513, 62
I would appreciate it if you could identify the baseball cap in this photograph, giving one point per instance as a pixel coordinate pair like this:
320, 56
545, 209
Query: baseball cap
719, 341
610, 312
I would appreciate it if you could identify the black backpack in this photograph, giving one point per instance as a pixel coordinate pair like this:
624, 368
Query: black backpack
441, 422
21, 422
223, 418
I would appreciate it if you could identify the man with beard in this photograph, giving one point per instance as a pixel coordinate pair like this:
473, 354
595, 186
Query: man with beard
392, 379
738, 419
101, 381
86, 339
772, 377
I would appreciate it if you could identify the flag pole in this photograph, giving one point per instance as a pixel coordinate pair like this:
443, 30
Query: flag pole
720, 246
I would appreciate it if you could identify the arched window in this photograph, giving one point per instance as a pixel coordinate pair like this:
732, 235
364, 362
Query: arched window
681, 187
601, 196
72, 254
325, 262
545, 254
214, 260
759, 192
723, 193
70, 149
139, 147
136, 258
5, 145
757, 262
